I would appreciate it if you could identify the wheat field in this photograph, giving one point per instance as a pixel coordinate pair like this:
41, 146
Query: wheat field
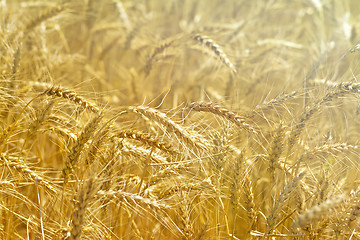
179, 119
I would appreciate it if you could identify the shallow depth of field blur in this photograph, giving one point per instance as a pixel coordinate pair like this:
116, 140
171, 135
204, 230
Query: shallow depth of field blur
179, 119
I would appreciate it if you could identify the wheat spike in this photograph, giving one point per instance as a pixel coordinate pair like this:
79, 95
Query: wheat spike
43, 16
191, 139
275, 151
22, 168
209, 43
155, 53
284, 196
121, 195
87, 192
71, 96
317, 212
146, 138
76, 150
225, 113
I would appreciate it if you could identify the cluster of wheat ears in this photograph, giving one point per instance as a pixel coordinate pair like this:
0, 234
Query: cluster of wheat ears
179, 119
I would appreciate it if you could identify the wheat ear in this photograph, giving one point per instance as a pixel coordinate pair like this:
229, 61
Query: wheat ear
41, 117
156, 52
191, 139
147, 139
87, 192
338, 91
98, 145
273, 103
76, 150
184, 212
354, 212
299, 127
326, 149
317, 212
71, 96
225, 113
249, 200
142, 153
235, 182
209, 43
275, 151
22, 168
43, 16
136, 199
284, 196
